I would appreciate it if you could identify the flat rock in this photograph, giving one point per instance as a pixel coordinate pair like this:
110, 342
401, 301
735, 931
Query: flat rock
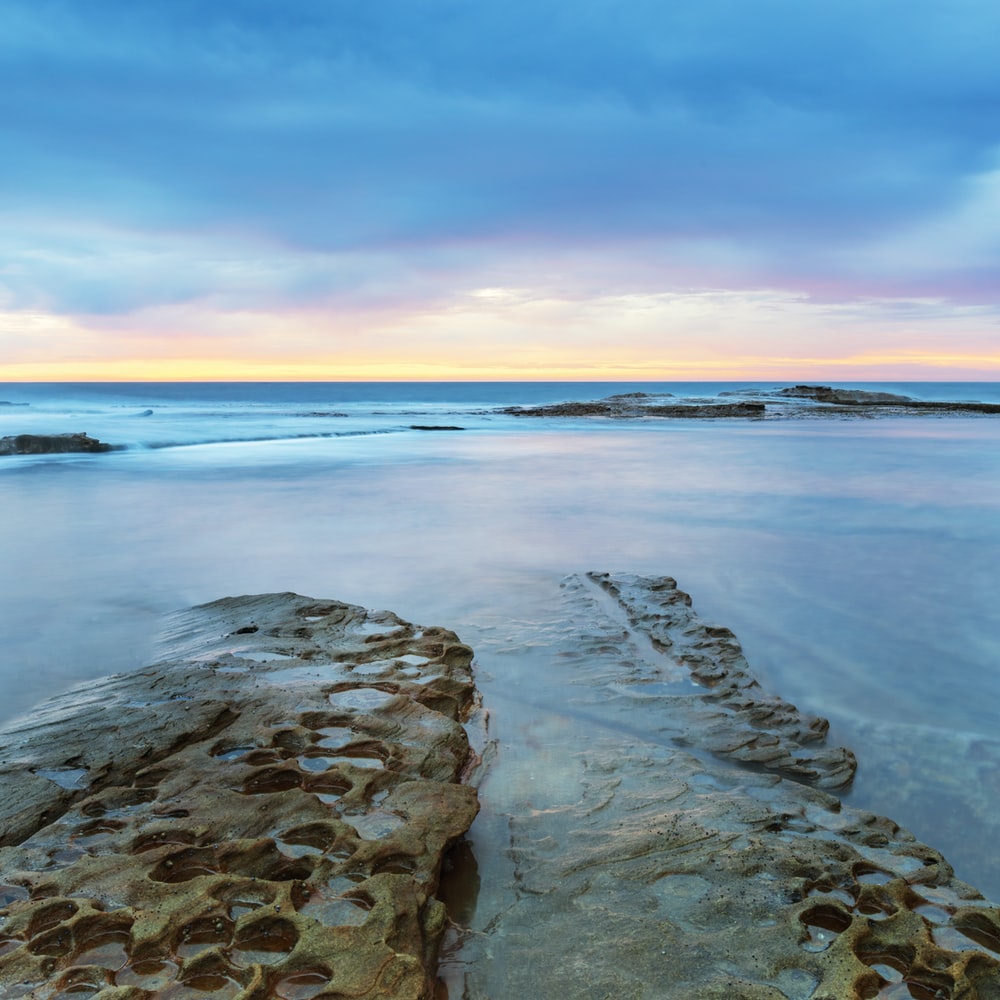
848, 397
263, 814
883, 401
778, 403
635, 405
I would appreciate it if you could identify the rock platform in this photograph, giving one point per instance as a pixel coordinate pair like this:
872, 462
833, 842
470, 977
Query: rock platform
790, 401
267, 813
263, 815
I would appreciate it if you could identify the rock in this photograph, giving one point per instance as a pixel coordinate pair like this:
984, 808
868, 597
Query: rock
45, 444
844, 397
706, 410
733, 716
691, 873
888, 401
265, 813
435, 427
633, 405
637, 395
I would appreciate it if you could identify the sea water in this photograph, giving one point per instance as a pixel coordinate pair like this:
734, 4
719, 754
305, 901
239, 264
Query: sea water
856, 559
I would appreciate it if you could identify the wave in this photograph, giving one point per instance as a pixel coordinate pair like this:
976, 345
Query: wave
268, 438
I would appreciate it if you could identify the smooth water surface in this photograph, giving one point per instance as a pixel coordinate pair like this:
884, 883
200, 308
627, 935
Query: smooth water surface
856, 560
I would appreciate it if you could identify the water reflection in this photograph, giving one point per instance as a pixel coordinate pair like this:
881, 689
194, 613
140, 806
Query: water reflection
854, 561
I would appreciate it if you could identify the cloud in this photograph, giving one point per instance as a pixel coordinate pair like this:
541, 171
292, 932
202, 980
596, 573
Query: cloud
393, 156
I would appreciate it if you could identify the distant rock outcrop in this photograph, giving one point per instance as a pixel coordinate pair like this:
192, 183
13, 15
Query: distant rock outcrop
50, 444
788, 401
863, 398
638, 404
845, 397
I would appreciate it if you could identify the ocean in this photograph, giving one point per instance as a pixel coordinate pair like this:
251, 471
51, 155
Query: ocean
857, 559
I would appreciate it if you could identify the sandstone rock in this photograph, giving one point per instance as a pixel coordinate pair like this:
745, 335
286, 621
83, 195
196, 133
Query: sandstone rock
44, 444
263, 815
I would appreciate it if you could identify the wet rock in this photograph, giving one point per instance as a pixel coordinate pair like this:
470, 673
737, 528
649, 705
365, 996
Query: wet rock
263, 814
733, 716
883, 401
45, 444
435, 427
845, 397
685, 873
638, 404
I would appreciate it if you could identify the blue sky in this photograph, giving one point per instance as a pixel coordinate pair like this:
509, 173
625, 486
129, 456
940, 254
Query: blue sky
439, 188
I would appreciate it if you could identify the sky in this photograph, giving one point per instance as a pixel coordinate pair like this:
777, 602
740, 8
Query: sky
469, 189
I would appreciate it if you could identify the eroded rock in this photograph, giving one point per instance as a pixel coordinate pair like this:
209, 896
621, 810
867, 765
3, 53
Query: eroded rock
644, 870
731, 715
263, 815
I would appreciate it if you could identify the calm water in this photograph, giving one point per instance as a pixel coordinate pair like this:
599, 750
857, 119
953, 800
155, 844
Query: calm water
857, 560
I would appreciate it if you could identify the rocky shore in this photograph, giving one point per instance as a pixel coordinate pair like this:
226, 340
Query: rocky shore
268, 812
263, 815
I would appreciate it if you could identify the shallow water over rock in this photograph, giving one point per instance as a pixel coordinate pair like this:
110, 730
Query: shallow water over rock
631, 847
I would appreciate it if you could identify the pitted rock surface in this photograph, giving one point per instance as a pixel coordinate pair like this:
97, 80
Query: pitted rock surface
263, 815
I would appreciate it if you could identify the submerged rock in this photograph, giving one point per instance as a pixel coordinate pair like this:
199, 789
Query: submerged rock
46, 444
263, 815
666, 872
732, 716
